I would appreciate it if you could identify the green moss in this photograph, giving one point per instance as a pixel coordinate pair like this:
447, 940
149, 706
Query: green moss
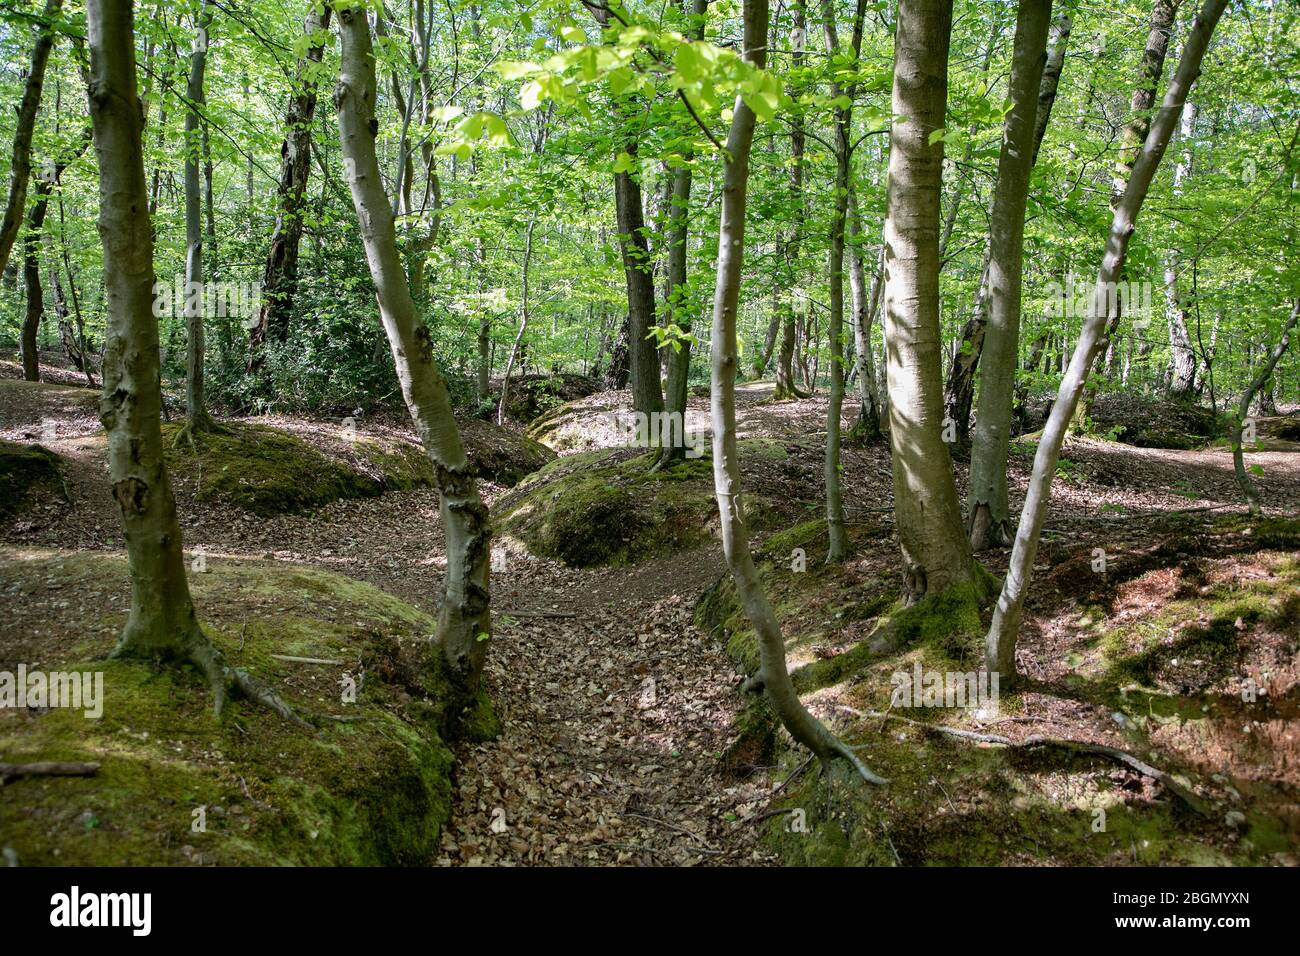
373, 788
23, 468
610, 507
952, 804
754, 740
268, 471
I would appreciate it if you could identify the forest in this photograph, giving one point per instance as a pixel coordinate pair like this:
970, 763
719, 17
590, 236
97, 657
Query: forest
586, 433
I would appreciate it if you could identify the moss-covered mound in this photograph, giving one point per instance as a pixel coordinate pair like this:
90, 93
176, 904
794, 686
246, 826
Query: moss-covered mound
369, 784
1164, 686
269, 471
23, 468
610, 507
534, 395
501, 455
1147, 422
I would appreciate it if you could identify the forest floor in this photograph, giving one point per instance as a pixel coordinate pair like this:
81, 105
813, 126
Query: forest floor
615, 705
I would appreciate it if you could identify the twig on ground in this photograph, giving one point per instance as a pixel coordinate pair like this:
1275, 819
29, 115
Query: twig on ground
47, 768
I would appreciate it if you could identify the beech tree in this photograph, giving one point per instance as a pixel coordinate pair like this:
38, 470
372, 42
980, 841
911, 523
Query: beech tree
774, 676
464, 623
987, 505
936, 554
20, 165
1001, 639
280, 276
162, 624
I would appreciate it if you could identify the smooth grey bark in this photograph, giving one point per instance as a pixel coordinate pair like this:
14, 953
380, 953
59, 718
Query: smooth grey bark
785, 383
936, 554
836, 533
464, 622
523, 321
1001, 639
988, 509
1261, 377
865, 305
20, 164
774, 672
197, 415
280, 275
959, 392
676, 310
162, 624
1182, 359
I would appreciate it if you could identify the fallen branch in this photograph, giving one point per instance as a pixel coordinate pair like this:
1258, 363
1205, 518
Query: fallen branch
15, 771
305, 660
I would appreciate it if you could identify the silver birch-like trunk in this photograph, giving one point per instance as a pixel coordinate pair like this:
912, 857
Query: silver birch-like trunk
1001, 640
775, 675
464, 623
988, 509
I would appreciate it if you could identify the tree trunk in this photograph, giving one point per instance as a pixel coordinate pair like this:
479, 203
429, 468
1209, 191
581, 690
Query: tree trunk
464, 622
676, 308
162, 624
1163, 15
987, 505
764, 358
20, 165
774, 673
195, 401
516, 346
1182, 359
865, 306
1001, 640
647, 396
32, 284
959, 393
936, 555
785, 381
1262, 377
837, 535
280, 276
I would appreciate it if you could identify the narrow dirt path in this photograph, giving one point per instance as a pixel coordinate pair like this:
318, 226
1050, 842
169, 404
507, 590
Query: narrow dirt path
613, 721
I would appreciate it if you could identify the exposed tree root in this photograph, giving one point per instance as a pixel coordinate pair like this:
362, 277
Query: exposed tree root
223, 679
1077, 746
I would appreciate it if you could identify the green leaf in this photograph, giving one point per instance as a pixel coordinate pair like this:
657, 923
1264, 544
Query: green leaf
531, 96
512, 70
